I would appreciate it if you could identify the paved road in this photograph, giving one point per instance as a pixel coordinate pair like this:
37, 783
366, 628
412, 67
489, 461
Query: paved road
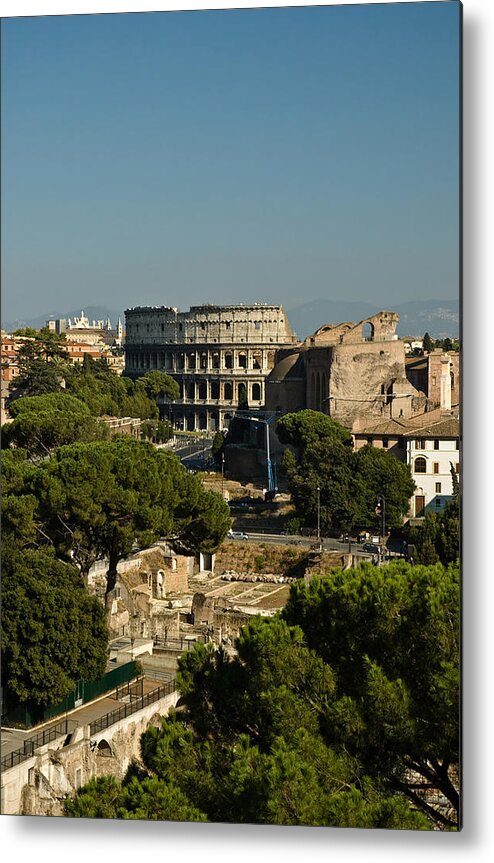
193, 451
336, 545
307, 541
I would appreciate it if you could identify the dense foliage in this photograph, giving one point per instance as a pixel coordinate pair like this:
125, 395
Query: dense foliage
447, 344
42, 362
157, 431
45, 367
108, 394
250, 747
349, 482
438, 537
218, 447
158, 384
53, 632
42, 423
86, 501
391, 637
97, 500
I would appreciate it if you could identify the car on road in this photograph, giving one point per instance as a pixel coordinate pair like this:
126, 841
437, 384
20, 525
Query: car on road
371, 548
236, 534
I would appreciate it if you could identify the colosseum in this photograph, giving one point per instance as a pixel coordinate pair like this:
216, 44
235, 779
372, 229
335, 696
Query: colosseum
220, 356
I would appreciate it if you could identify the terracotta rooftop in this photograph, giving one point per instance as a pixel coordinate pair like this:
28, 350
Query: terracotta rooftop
448, 426
435, 423
386, 427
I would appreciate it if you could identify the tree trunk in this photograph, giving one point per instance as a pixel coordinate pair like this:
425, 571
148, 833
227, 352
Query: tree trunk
111, 577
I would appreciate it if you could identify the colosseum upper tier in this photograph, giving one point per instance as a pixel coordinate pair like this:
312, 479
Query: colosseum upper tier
219, 356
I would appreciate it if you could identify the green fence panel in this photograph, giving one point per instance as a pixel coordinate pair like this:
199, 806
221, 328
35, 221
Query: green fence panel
26, 716
112, 679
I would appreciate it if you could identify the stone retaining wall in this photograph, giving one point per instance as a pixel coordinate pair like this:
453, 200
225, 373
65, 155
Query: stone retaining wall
39, 785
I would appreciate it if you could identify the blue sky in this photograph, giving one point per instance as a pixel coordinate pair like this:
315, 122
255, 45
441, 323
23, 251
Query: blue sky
274, 155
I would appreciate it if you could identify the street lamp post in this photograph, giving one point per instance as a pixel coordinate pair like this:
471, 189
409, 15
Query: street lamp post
319, 516
381, 503
223, 475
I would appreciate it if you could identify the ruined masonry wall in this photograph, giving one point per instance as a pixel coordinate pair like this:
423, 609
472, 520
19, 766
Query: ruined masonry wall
256, 323
39, 785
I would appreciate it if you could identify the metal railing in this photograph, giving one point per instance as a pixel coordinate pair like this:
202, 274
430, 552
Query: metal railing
33, 743
138, 702
178, 643
132, 707
134, 688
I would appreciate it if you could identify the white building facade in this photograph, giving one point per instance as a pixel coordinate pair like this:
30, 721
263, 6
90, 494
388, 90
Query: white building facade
433, 452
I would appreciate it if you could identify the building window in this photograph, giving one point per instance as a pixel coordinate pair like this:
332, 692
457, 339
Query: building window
385, 443
457, 444
258, 325
436, 467
242, 397
242, 361
228, 325
180, 327
438, 501
256, 392
369, 440
420, 465
436, 444
438, 488
420, 443
457, 468
228, 391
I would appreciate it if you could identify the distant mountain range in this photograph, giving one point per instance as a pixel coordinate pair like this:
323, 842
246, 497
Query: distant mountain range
440, 318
